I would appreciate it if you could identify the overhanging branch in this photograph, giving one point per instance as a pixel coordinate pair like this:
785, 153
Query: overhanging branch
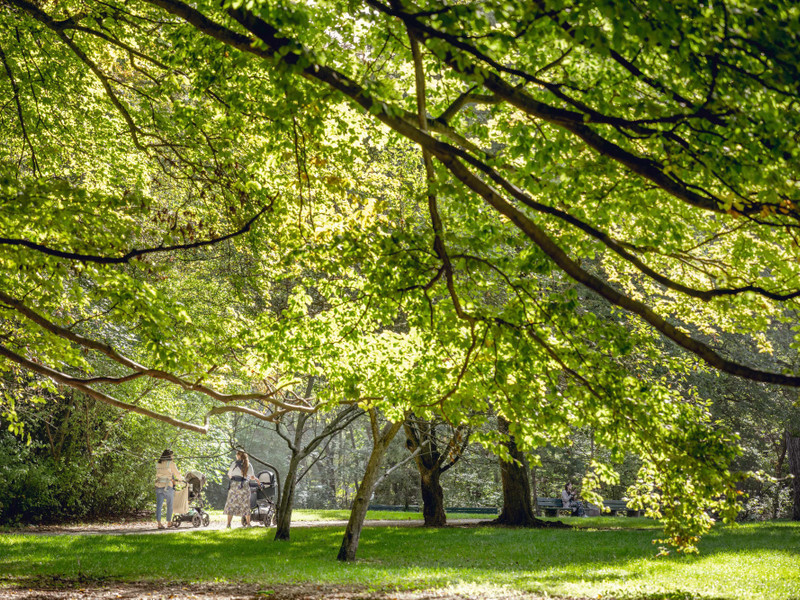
135, 253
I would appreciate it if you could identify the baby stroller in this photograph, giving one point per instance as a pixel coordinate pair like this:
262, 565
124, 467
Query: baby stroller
195, 482
262, 499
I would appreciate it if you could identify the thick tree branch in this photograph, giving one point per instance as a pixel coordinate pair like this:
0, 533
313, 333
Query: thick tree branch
272, 46
15, 89
131, 254
112, 353
576, 272
64, 379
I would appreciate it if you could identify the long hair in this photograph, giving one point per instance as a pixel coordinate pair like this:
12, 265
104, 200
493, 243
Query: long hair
166, 455
242, 456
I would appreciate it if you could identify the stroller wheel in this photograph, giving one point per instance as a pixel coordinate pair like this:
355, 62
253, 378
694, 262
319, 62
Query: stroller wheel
244, 521
196, 520
176, 521
206, 519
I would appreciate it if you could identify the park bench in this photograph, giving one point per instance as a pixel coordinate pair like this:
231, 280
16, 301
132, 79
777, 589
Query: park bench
551, 507
479, 510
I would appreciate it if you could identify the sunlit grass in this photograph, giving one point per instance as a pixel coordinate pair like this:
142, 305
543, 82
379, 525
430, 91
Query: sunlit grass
759, 561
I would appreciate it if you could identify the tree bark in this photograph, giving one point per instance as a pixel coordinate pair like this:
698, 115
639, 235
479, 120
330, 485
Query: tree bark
517, 506
432, 497
776, 498
286, 503
793, 451
358, 511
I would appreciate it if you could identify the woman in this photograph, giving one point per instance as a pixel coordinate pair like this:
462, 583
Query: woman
166, 475
568, 500
238, 502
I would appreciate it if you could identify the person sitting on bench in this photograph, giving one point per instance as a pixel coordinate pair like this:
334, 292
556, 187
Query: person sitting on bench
568, 500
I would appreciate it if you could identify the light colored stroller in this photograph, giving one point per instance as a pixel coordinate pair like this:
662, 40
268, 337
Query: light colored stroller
195, 482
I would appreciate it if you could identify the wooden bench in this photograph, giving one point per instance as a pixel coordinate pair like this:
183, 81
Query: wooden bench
615, 506
478, 510
552, 506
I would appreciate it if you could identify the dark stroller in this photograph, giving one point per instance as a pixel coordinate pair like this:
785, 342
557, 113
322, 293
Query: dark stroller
262, 499
195, 481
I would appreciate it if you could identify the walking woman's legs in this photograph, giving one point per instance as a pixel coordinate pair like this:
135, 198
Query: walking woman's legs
159, 500
170, 496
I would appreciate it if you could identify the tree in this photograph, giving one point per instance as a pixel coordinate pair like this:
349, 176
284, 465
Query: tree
793, 450
637, 150
517, 506
381, 437
301, 449
433, 456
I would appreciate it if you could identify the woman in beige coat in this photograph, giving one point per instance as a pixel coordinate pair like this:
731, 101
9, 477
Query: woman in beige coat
166, 476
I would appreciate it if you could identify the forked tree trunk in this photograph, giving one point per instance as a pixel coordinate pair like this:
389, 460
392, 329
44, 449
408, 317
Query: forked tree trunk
432, 497
358, 511
422, 442
793, 452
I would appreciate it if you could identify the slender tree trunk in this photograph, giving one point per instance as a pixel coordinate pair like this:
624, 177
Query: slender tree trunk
358, 511
432, 497
793, 451
286, 503
776, 498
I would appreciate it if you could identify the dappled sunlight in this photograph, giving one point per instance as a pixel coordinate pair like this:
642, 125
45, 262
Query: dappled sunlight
752, 561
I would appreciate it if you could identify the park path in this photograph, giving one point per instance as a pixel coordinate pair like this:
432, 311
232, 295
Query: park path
217, 524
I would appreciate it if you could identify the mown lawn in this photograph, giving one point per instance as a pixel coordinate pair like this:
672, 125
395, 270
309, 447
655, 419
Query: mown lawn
760, 561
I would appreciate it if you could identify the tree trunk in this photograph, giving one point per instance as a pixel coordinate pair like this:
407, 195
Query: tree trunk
358, 511
517, 506
793, 451
422, 442
286, 503
776, 499
432, 497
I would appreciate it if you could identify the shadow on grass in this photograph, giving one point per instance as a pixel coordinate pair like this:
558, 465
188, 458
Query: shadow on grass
529, 559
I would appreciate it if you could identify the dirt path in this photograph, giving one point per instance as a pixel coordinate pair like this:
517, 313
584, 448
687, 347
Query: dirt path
217, 524
215, 591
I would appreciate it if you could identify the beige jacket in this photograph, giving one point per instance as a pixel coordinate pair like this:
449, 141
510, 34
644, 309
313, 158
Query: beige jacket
165, 471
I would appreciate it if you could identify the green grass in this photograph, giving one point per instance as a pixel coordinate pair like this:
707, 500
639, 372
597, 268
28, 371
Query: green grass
759, 561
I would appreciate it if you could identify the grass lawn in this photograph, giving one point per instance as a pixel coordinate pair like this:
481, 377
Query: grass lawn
759, 561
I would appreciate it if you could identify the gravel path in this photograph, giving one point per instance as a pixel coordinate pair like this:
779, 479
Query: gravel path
218, 523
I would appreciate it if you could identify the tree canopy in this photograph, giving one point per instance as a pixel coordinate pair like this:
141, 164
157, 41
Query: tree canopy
424, 204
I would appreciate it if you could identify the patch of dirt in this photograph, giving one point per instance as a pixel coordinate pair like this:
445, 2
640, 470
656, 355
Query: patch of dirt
66, 590
122, 527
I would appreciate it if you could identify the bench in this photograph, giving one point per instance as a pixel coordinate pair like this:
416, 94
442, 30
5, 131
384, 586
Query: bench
478, 510
395, 508
552, 506
615, 506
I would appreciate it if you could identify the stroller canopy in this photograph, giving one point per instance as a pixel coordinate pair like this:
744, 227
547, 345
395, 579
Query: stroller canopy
195, 480
266, 478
